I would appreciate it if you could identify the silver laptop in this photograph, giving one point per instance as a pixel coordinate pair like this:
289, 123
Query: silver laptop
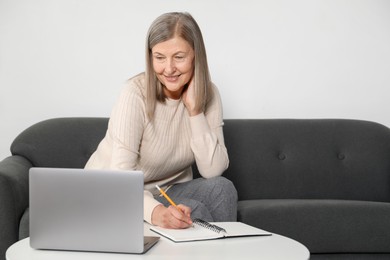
87, 210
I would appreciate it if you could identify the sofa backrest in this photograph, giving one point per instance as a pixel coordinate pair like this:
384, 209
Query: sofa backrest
308, 159
60, 142
269, 158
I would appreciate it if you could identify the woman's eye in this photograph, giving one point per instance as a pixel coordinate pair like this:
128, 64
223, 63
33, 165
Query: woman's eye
159, 58
179, 58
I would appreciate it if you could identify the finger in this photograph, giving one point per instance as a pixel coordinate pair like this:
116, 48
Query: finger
186, 210
180, 219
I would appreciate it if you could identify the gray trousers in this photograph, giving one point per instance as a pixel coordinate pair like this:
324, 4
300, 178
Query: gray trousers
213, 199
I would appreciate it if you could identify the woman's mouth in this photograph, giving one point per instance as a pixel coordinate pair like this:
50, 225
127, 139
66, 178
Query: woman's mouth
171, 78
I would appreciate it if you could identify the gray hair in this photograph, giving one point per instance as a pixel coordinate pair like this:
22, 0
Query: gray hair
164, 28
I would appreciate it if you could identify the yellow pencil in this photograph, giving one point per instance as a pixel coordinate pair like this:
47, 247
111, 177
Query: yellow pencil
168, 198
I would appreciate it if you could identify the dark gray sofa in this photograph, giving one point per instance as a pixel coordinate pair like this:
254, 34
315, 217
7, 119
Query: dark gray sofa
323, 182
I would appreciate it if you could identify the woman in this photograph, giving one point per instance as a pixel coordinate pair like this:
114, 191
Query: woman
164, 120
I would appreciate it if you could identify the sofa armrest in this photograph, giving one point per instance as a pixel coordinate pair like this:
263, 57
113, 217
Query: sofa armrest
14, 198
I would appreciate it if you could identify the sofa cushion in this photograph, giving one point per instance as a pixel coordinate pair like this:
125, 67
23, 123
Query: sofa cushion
60, 142
323, 226
308, 159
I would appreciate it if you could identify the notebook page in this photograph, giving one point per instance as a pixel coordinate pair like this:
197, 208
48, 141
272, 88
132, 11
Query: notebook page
189, 234
239, 229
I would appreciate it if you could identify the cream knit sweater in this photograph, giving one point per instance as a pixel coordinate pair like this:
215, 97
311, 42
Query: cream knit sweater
165, 148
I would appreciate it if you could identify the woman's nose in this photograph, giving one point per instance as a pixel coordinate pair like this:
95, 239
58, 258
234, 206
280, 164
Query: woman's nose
170, 66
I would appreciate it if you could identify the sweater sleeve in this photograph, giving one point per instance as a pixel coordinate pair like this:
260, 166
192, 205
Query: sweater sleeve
207, 142
149, 204
125, 129
120, 147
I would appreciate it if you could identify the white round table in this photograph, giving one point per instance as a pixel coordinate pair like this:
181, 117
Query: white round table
275, 247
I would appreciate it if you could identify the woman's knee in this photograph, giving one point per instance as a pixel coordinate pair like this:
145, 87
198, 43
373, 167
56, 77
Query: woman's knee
223, 186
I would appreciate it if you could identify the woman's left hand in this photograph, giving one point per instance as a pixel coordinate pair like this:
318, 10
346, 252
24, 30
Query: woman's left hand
189, 98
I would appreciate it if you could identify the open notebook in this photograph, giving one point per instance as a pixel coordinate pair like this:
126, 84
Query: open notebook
203, 230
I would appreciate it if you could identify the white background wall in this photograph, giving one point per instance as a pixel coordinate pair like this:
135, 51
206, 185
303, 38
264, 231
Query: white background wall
269, 58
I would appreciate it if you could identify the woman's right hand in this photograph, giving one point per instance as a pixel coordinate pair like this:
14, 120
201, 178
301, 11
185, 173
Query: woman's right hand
172, 217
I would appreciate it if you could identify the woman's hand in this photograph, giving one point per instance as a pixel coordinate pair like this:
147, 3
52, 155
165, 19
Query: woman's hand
189, 98
172, 217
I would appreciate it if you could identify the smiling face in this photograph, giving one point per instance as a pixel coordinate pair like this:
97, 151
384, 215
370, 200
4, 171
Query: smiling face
173, 63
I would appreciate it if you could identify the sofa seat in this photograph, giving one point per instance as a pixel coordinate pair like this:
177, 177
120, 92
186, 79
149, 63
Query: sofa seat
324, 226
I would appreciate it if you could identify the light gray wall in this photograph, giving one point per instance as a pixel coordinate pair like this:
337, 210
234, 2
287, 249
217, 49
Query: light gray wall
270, 58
